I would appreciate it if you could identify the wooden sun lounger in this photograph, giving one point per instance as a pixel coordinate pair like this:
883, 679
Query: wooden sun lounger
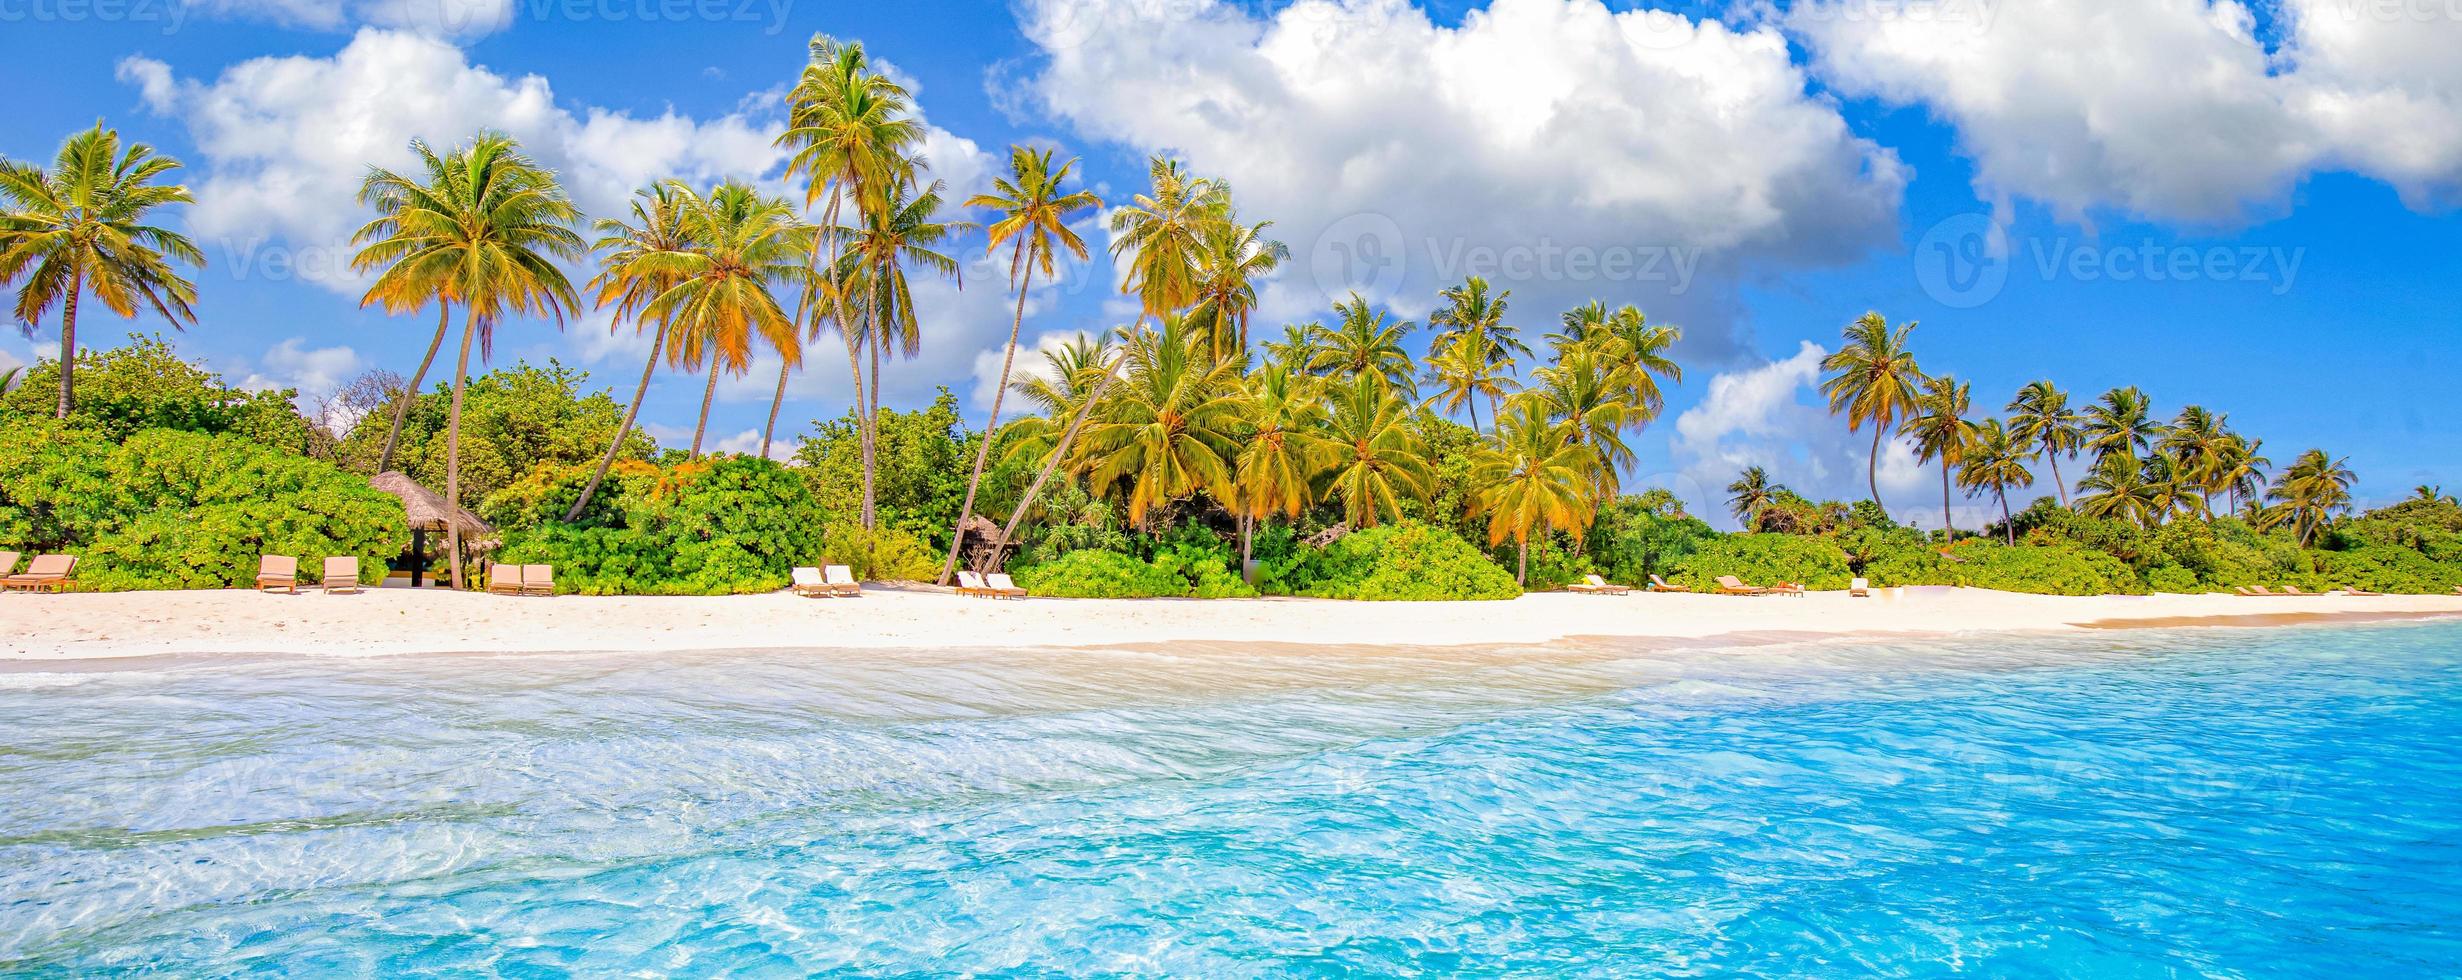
277, 572
341, 574
1859, 589
972, 584
8, 563
2354, 590
46, 573
807, 582
1731, 585
1658, 584
1594, 585
538, 580
841, 581
503, 579
1002, 586
2295, 590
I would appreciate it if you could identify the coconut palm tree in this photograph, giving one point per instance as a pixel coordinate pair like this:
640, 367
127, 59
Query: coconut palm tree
2241, 472
1283, 450
80, 227
1232, 258
2198, 438
1752, 492
386, 192
1471, 311
1941, 432
1464, 369
742, 245
2313, 489
1034, 222
2121, 423
1531, 478
2040, 416
488, 235
1874, 381
1377, 459
2115, 489
1996, 459
1297, 348
850, 134
1638, 349
627, 282
1365, 342
2172, 489
900, 227
1173, 428
1161, 230
1586, 392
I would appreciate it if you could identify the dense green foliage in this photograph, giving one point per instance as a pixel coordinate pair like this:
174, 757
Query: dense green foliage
730, 525
145, 385
1406, 561
1765, 560
167, 509
514, 420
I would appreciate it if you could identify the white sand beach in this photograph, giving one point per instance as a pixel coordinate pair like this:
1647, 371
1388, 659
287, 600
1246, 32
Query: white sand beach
399, 621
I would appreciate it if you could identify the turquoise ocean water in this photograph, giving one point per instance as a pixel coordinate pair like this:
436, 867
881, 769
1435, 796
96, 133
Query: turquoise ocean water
2149, 803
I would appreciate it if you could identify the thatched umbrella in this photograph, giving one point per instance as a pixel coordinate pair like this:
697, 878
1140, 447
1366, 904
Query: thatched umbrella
426, 510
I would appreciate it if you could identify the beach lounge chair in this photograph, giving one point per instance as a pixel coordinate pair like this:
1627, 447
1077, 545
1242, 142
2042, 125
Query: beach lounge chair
46, 573
807, 582
1860, 589
503, 579
8, 563
1658, 584
1731, 585
538, 580
2355, 590
341, 574
972, 584
2296, 590
1594, 585
277, 572
841, 580
1002, 586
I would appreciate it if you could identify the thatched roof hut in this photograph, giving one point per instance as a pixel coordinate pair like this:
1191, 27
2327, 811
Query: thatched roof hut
426, 509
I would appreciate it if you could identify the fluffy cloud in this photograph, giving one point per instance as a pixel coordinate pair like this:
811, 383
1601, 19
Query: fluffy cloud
2167, 109
314, 372
1773, 416
440, 18
1561, 149
287, 139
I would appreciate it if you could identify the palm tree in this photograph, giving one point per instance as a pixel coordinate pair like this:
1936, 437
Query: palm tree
1366, 342
1377, 459
1638, 349
741, 245
2198, 439
1750, 494
1034, 218
1465, 369
1533, 477
1997, 459
1297, 348
387, 192
2241, 473
1874, 382
1232, 258
1941, 432
487, 235
1173, 428
1471, 314
2309, 493
899, 227
850, 131
2172, 489
1586, 392
1282, 452
627, 281
2121, 423
80, 228
2040, 416
2115, 489
1162, 229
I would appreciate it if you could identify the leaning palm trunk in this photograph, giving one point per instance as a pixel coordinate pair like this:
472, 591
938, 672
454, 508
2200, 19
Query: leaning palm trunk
2007, 524
803, 309
1059, 452
983, 453
2058, 483
709, 393
1521, 575
68, 343
630, 411
1872, 471
1947, 528
401, 406
453, 451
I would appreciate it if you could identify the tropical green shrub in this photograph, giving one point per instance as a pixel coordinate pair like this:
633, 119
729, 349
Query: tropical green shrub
145, 385
168, 509
1396, 562
712, 527
1764, 560
883, 554
1188, 562
514, 420
2385, 568
1635, 538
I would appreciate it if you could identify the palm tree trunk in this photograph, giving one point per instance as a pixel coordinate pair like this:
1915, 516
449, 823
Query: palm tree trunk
630, 411
1521, 576
709, 393
803, 309
1025, 272
401, 406
2058, 483
68, 343
1872, 472
1248, 541
2007, 523
1060, 452
872, 411
453, 451
1947, 528
1474, 418
776, 399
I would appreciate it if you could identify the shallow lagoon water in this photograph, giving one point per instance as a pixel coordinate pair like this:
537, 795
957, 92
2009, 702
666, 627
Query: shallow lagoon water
2237, 802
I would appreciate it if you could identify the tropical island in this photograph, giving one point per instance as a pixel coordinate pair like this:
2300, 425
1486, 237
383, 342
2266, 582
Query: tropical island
1175, 455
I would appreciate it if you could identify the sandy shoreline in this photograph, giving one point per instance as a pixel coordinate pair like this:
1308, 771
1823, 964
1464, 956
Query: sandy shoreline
389, 621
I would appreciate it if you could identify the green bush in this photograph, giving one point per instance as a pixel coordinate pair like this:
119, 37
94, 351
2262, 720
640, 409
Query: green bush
2385, 568
1397, 562
883, 554
168, 509
1189, 563
1764, 560
2057, 569
714, 527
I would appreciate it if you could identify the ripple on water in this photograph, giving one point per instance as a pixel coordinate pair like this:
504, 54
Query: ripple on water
2238, 802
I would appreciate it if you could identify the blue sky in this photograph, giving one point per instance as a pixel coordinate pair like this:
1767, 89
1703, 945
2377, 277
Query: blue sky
2246, 209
